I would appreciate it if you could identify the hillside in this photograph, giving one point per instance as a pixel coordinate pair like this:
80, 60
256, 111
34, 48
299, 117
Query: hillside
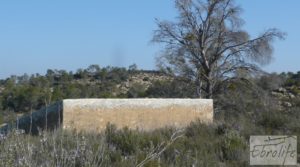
265, 105
22, 94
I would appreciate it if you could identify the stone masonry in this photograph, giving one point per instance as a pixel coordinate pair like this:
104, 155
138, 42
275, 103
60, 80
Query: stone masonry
143, 114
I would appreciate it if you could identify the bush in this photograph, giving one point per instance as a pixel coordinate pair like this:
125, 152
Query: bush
233, 146
1, 118
126, 140
146, 79
218, 144
136, 90
273, 121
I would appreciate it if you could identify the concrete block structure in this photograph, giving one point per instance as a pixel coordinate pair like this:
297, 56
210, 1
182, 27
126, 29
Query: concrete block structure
142, 114
93, 115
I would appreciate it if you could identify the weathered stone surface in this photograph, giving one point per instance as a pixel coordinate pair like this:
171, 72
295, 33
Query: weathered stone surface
95, 114
143, 114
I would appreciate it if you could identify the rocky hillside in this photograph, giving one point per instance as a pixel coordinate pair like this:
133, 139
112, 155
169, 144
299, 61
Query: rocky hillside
286, 96
22, 94
142, 79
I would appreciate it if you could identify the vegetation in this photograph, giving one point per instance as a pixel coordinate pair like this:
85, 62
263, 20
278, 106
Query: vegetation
23, 94
243, 110
220, 144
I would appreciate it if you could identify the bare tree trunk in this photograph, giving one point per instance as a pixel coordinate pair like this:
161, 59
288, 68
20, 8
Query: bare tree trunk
200, 89
199, 86
30, 128
46, 115
209, 86
209, 91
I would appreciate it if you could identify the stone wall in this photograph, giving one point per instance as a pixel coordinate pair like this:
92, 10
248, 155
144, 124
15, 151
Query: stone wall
142, 114
95, 114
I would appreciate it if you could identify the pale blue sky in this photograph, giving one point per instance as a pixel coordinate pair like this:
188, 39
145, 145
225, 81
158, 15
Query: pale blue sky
37, 35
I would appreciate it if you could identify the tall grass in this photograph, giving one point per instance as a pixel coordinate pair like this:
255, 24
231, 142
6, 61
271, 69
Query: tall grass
218, 144
223, 143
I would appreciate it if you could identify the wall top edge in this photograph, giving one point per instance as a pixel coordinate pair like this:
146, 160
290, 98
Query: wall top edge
150, 102
88, 99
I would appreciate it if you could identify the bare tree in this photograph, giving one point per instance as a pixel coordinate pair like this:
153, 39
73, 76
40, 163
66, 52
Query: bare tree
208, 45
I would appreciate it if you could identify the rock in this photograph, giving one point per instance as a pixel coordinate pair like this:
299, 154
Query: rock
282, 90
287, 104
291, 96
1, 89
277, 94
2, 137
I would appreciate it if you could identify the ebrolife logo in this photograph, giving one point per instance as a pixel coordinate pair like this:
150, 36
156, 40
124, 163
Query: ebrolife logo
273, 150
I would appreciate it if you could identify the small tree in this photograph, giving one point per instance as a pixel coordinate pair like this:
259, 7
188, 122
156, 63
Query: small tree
207, 44
132, 69
93, 69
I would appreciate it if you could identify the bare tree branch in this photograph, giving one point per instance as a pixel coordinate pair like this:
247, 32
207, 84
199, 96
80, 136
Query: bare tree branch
156, 152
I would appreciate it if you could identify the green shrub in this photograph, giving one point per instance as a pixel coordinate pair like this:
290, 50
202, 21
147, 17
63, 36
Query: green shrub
146, 79
273, 120
295, 90
1, 118
233, 146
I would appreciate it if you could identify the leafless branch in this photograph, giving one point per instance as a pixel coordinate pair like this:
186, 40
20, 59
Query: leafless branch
156, 152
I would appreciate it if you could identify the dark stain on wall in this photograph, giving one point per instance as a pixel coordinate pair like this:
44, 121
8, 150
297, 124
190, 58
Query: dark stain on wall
47, 118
